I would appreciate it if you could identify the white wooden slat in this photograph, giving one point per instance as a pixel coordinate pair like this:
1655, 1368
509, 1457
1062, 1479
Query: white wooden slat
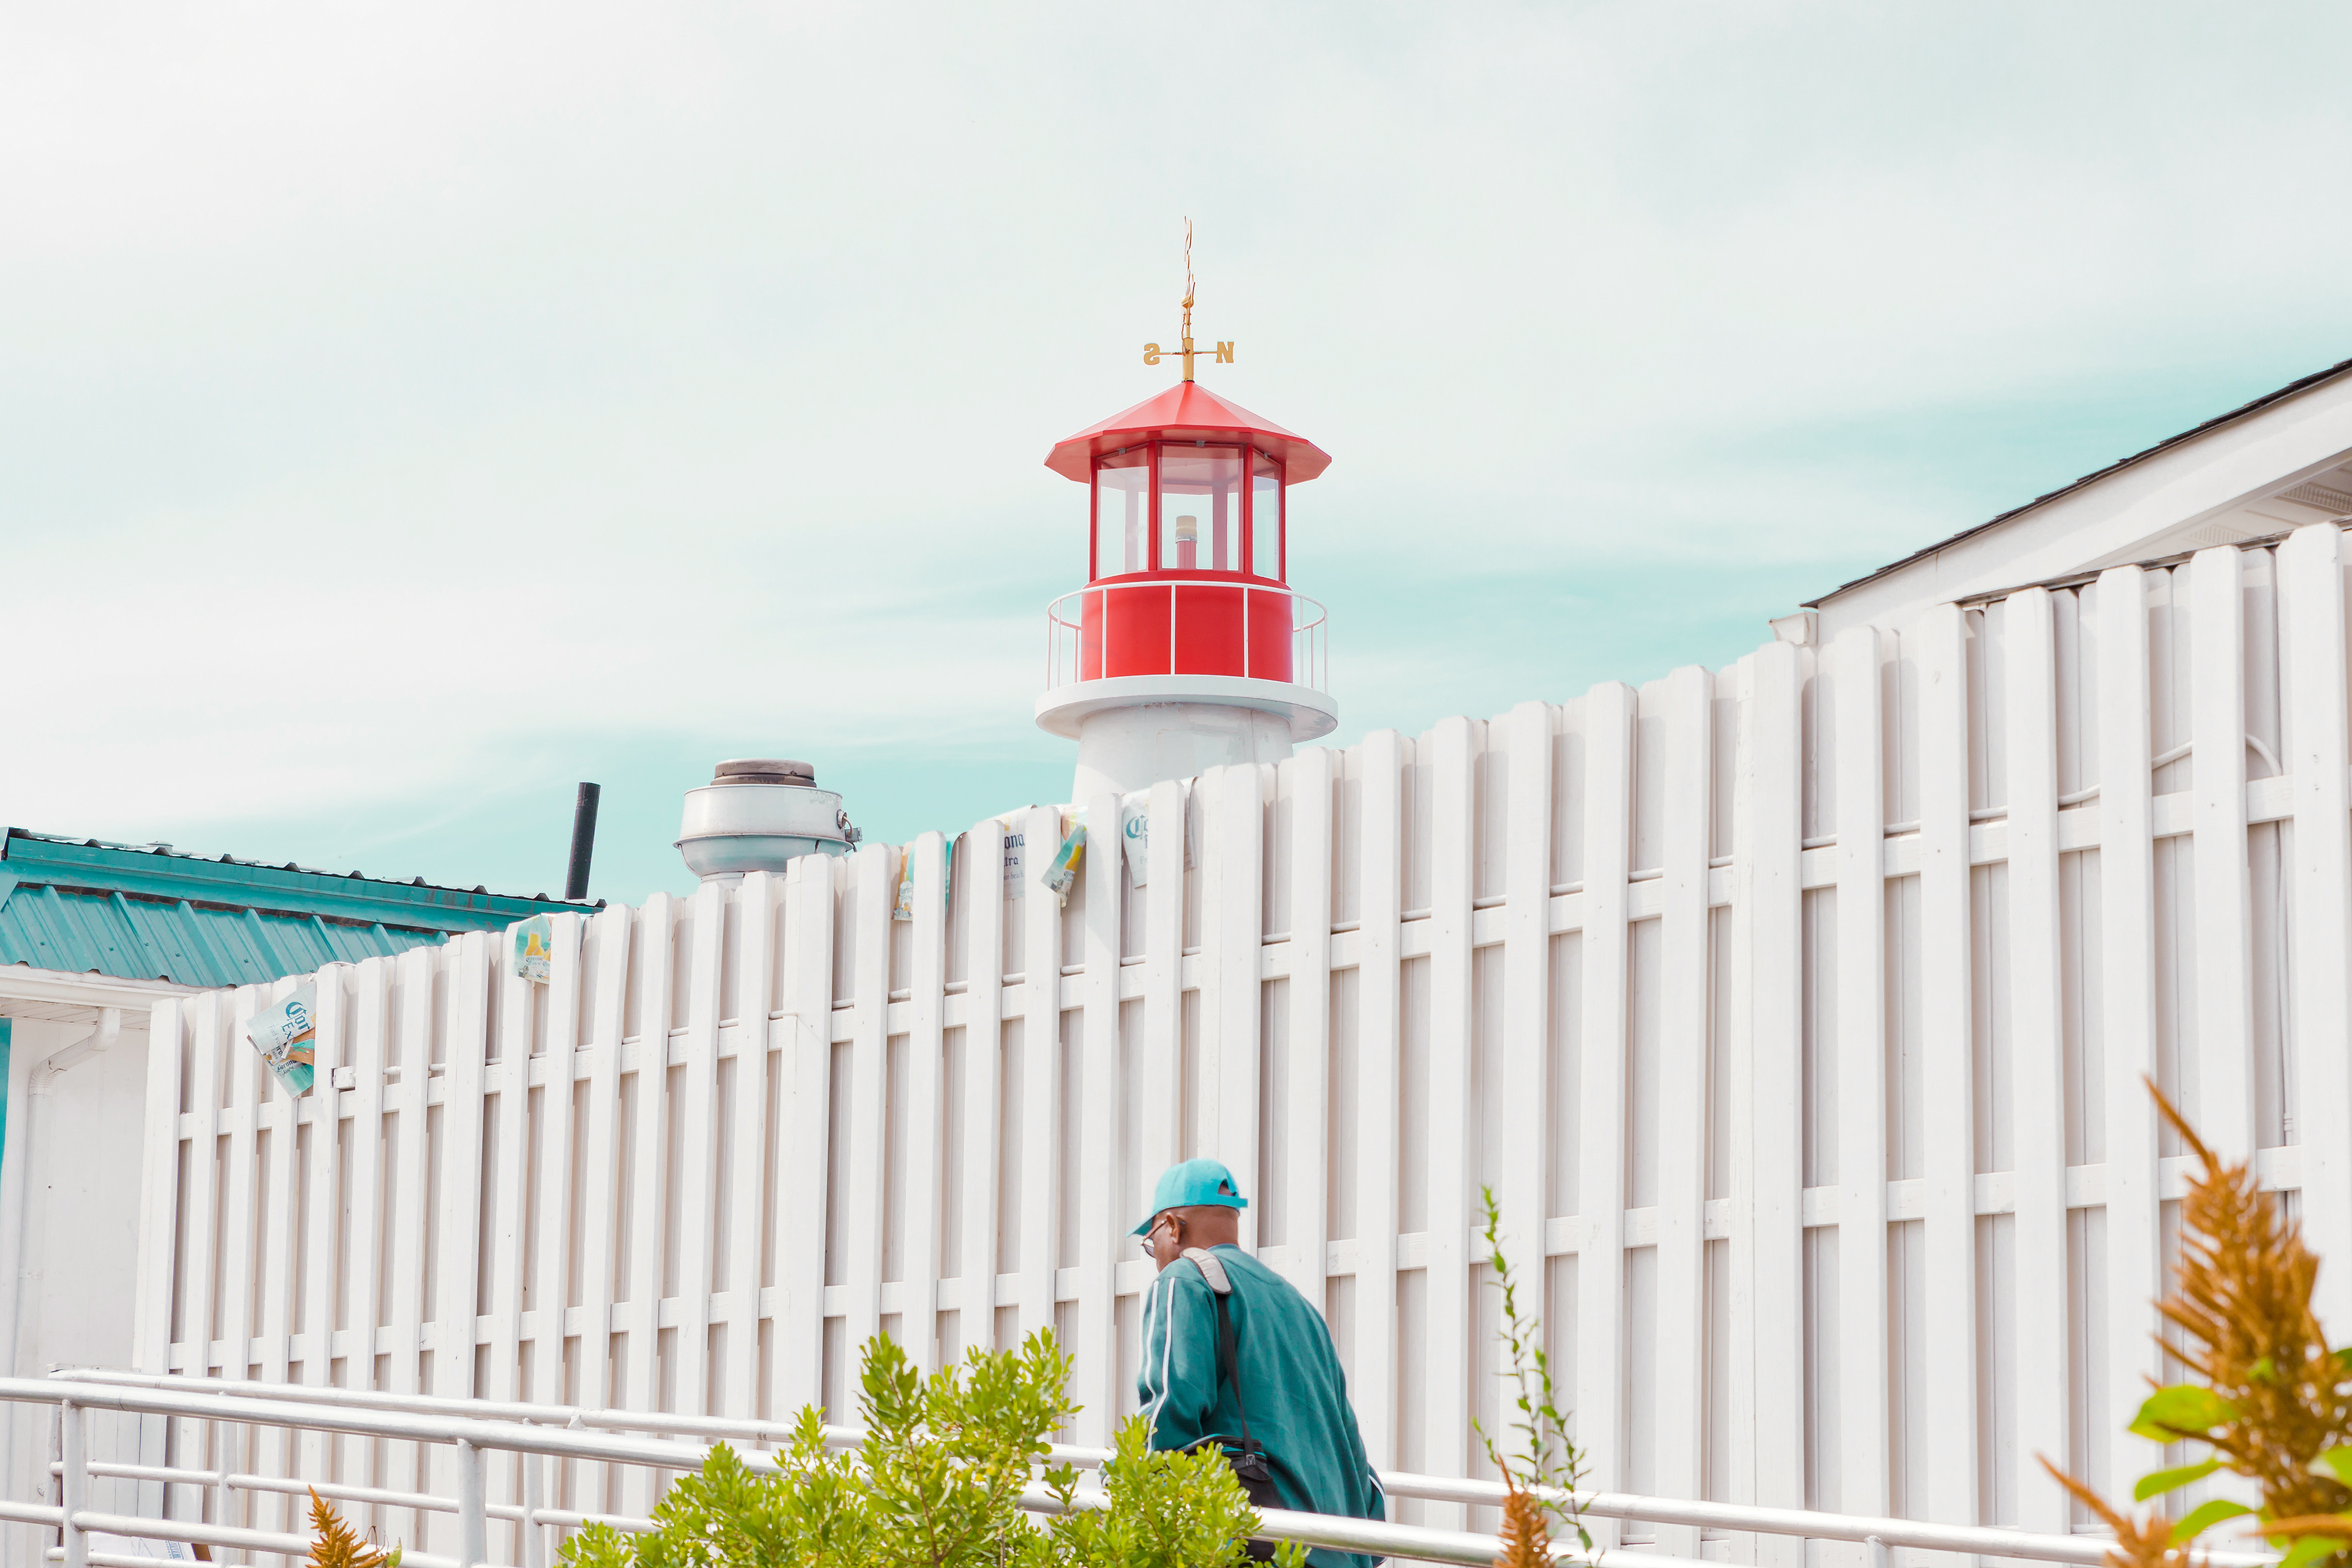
613, 937
1601, 1098
1102, 1230
330, 1050
1372, 1380
552, 1197
2217, 729
697, 1158
281, 1112
871, 879
612, 934
372, 985
159, 1200
1160, 1091
2039, 1379
802, 1162
1731, 1331
1525, 1066
201, 1232
1768, 912
640, 1381
1947, 1158
639, 1373
1861, 1057
458, 1226
756, 912
2127, 995
984, 1079
926, 1037
2311, 588
1688, 737
405, 1279
158, 1186
1306, 1062
1041, 1077
1452, 753
362, 1045
273, 1446
243, 1072
1233, 908
506, 1251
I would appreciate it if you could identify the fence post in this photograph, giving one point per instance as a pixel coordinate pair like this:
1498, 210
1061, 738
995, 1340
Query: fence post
74, 1483
473, 1532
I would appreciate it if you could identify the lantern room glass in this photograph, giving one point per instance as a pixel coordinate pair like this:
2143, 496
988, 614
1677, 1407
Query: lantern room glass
1200, 509
1122, 518
1266, 517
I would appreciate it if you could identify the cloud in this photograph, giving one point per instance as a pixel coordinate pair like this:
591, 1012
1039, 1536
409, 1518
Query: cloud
418, 405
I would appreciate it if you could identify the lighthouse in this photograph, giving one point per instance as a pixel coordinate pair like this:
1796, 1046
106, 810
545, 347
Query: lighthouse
1187, 649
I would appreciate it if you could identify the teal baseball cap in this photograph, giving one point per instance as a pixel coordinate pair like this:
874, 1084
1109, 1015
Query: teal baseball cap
1192, 1182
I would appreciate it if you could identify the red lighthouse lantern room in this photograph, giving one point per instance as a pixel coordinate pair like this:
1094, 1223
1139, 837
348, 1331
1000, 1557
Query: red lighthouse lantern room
1188, 648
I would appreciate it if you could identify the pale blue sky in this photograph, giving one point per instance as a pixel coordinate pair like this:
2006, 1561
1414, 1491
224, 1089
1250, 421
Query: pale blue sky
405, 412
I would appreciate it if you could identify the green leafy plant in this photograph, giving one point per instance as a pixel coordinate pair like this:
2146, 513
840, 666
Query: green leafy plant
2275, 1404
1168, 1510
810, 1512
1541, 1468
938, 1482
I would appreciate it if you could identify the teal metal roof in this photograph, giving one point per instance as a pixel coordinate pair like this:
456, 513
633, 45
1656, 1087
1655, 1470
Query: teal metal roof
146, 913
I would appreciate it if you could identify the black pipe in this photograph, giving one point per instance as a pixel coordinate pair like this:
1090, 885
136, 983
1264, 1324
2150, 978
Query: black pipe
584, 842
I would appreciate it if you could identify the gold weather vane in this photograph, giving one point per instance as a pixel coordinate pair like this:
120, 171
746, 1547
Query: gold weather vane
1224, 350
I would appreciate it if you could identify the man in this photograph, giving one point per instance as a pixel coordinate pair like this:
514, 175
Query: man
1292, 1396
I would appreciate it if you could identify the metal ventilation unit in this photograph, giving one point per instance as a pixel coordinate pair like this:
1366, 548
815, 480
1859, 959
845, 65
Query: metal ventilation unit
756, 814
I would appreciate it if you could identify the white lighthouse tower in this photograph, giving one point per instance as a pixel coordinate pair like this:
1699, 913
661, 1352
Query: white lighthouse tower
1187, 650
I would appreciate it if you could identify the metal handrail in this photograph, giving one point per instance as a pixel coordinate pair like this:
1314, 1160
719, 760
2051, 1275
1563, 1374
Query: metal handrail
567, 1431
473, 1438
1308, 652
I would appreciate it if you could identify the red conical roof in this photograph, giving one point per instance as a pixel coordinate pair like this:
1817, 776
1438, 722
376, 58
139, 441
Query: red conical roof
1186, 412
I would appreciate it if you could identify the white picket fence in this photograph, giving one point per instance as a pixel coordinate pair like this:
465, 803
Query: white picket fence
1796, 1014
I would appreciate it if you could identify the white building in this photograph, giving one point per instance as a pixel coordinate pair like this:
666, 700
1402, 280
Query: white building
92, 936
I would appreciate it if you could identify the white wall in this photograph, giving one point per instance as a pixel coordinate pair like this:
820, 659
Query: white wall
1797, 1014
68, 1208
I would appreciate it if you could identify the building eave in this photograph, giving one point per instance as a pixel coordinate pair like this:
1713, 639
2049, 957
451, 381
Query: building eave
2039, 503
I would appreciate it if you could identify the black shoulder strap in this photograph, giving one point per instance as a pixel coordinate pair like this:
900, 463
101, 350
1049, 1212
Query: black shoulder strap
1213, 1270
1229, 1364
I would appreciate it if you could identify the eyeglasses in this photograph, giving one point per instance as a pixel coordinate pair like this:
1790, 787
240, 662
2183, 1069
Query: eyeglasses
1144, 1241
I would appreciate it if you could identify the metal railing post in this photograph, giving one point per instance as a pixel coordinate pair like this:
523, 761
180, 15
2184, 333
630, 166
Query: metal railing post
1245, 621
74, 1483
473, 1521
217, 1504
533, 1468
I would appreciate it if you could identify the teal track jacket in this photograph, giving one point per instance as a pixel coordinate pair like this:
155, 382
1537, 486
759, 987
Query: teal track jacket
1292, 1382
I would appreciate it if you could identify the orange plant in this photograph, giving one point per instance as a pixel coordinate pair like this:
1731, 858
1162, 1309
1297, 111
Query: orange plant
2274, 1402
339, 1546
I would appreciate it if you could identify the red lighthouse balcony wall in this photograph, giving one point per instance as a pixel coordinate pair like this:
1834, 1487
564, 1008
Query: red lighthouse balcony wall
1158, 626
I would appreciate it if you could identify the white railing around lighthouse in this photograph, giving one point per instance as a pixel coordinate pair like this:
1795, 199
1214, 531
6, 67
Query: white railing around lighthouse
1796, 1012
